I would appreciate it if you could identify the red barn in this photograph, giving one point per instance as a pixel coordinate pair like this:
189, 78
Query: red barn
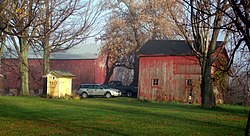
169, 71
88, 69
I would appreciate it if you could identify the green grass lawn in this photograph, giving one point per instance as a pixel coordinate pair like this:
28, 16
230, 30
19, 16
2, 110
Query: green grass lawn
116, 116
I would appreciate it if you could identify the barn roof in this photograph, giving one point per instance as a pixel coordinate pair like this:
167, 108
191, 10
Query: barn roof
79, 52
167, 47
64, 56
55, 56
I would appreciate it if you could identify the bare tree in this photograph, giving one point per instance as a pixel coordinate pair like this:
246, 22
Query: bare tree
201, 29
67, 23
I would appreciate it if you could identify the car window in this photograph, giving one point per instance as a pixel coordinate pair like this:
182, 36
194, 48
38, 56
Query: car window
98, 87
91, 87
84, 86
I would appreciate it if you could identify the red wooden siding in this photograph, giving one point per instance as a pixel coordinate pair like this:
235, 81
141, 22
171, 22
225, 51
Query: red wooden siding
172, 73
83, 69
100, 69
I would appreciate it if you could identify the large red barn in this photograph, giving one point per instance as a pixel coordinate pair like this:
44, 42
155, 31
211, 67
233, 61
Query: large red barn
87, 70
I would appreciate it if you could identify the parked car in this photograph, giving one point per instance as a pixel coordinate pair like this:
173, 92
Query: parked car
126, 90
86, 90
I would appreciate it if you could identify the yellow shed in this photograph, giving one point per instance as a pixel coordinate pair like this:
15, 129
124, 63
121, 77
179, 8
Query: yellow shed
59, 83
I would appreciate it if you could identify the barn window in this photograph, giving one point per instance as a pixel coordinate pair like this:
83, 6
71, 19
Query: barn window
155, 82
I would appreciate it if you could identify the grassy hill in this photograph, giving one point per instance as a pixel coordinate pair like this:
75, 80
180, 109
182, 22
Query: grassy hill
116, 116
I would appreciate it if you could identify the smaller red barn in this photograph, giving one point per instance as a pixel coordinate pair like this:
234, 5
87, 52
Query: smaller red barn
169, 71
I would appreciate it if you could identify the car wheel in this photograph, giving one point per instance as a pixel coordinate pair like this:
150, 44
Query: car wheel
108, 95
84, 95
129, 94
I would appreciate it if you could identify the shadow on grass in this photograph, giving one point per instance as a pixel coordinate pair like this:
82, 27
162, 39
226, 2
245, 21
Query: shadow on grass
230, 109
135, 106
51, 115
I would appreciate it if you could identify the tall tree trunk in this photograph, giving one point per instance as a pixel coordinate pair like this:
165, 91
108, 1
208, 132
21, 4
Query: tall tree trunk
46, 47
23, 68
46, 59
109, 73
109, 70
208, 98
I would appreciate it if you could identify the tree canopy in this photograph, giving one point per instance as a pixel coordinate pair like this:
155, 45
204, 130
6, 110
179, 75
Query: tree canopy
130, 25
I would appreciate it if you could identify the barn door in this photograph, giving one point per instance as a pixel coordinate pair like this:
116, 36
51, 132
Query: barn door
193, 90
190, 90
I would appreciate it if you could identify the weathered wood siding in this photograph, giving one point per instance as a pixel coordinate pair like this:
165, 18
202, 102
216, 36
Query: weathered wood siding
172, 73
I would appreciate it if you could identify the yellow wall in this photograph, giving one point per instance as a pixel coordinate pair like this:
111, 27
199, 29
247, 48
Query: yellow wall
59, 86
64, 86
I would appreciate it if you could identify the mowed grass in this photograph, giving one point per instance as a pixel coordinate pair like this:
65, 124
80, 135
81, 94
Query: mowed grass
116, 116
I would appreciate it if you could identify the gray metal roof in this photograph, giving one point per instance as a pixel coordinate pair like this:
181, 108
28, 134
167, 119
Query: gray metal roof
86, 51
65, 56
